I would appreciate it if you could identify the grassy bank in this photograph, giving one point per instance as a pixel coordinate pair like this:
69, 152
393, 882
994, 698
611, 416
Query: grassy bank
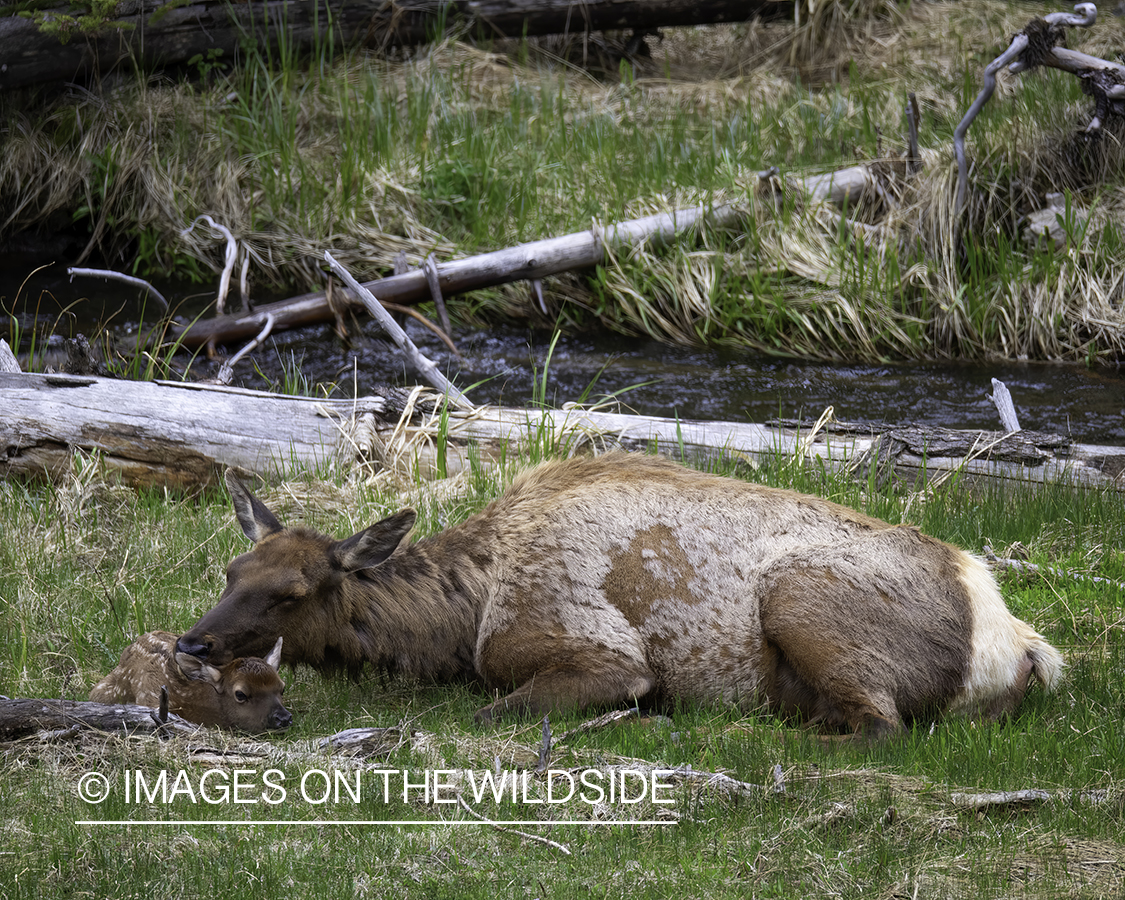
459, 149
85, 566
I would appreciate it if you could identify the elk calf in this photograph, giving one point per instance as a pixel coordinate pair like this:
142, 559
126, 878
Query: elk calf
244, 694
610, 579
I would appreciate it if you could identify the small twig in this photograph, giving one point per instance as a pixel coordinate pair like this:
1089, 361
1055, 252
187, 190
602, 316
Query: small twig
119, 276
434, 281
231, 259
226, 370
410, 311
531, 837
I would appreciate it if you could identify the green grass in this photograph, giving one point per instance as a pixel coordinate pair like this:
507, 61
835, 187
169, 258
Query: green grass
85, 566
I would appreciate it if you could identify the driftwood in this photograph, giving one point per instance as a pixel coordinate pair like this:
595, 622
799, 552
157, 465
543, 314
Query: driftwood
530, 261
154, 34
183, 435
21, 718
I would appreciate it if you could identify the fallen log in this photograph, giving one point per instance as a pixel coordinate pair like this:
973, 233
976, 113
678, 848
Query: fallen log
183, 435
524, 262
23, 717
156, 33
527, 262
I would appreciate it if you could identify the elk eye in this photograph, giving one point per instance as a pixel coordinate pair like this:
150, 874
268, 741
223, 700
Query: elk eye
240, 696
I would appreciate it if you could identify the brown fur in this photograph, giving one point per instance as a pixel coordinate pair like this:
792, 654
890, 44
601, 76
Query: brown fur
603, 580
244, 694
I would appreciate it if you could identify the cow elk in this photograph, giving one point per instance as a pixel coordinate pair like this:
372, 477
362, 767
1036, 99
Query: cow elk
243, 694
617, 578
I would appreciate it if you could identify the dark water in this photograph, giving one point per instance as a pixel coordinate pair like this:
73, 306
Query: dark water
647, 377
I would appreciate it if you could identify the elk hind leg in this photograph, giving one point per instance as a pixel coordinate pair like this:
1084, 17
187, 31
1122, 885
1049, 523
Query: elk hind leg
813, 670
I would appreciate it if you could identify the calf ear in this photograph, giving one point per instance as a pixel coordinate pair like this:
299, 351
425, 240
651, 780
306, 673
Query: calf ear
273, 660
374, 545
195, 669
256, 520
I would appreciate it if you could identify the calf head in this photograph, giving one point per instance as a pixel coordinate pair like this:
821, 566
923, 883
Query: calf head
247, 692
290, 584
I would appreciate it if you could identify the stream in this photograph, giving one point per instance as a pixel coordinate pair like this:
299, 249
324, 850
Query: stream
508, 364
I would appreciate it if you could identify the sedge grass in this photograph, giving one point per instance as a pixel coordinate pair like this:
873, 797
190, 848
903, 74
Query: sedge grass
85, 566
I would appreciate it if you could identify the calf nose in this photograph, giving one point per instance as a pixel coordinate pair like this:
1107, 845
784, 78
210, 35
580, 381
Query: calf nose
281, 718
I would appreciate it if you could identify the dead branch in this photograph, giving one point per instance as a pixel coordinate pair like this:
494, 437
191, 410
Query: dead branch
523, 834
119, 276
1035, 569
422, 363
226, 370
1034, 46
231, 258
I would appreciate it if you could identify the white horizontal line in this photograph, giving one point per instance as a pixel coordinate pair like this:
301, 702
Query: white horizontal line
521, 822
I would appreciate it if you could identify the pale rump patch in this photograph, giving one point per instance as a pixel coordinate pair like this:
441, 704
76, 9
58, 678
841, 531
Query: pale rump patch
1004, 650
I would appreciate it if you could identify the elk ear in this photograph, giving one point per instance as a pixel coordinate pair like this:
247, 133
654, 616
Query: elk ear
273, 660
256, 520
195, 669
374, 545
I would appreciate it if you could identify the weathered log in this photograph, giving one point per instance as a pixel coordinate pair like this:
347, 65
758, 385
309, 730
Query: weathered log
536, 259
182, 435
22, 717
525, 262
173, 434
154, 34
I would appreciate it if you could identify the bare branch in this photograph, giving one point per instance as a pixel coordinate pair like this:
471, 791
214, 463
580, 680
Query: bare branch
531, 837
424, 365
118, 276
231, 259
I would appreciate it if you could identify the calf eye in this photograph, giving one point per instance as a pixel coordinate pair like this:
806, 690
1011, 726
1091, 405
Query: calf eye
240, 696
